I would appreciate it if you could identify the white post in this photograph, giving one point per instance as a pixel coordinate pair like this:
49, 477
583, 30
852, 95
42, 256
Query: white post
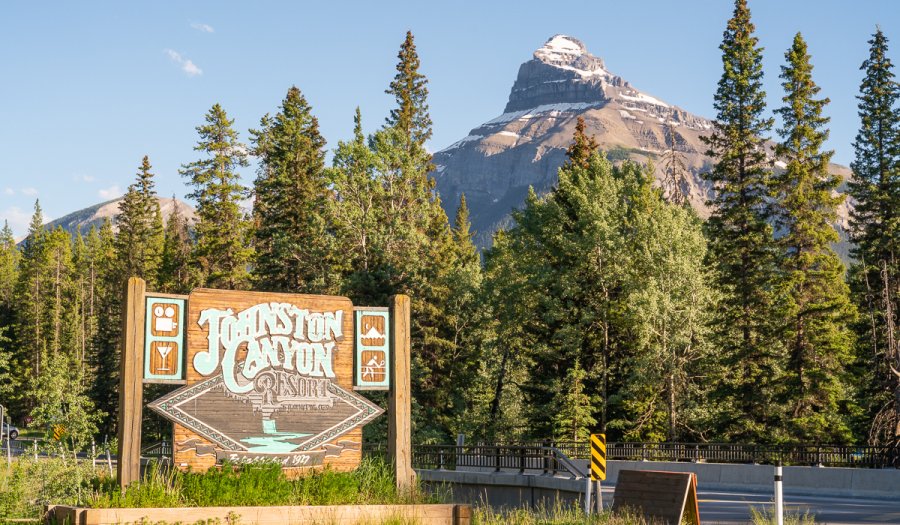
587, 494
34, 446
779, 501
108, 460
93, 454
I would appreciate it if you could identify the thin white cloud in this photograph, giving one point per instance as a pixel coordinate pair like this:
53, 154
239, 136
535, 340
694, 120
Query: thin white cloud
84, 178
18, 220
186, 65
30, 192
9, 191
110, 193
203, 28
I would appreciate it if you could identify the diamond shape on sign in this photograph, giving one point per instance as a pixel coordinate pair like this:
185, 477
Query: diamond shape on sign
265, 422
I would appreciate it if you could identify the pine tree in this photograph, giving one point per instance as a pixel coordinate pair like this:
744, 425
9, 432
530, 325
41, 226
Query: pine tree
221, 252
875, 229
409, 89
9, 274
463, 235
60, 272
741, 243
582, 147
402, 242
293, 238
175, 272
30, 293
139, 241
817, 305
105, 352
573, 407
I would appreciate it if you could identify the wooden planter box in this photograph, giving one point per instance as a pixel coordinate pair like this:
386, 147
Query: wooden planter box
320, 515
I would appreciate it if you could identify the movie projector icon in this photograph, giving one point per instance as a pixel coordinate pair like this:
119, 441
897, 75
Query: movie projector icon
165, 324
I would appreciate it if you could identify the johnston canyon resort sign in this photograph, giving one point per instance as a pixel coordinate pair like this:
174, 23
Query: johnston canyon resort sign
268, 377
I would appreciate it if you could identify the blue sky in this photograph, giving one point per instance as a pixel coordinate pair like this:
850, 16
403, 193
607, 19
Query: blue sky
88, 88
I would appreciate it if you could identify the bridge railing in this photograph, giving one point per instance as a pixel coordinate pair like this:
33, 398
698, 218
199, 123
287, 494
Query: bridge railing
495, 457
824, 455
533, 455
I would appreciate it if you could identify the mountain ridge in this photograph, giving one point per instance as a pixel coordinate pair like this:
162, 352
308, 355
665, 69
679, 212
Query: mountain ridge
496, 163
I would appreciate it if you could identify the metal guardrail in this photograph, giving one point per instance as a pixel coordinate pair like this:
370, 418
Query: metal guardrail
860, 456
547, 460
532, 454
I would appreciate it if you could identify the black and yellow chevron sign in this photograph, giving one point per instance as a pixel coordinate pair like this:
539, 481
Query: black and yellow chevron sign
598, 457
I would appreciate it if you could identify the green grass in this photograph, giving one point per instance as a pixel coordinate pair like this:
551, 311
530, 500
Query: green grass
557, 515
256, 485
766, 516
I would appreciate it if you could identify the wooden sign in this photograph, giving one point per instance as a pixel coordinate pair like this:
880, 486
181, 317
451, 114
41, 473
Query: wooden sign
661, 497
164, 339
598, 457
372, 363
269, 378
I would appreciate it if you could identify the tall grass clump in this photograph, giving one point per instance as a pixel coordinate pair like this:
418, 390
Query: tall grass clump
559, 514
372, 483
766, 516
28, 484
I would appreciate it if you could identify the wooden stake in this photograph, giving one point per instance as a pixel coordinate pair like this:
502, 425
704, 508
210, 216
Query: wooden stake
399, 398
130, 383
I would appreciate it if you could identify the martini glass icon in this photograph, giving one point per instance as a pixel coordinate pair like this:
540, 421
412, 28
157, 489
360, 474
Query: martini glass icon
163, 353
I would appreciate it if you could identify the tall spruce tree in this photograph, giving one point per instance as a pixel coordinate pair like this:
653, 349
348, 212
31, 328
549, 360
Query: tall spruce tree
30, 293
741, 243
410, 116
9, 274
817, 307
104, 357
875, 227
139, 241
176, 275
293, 238
221, 252
390, 219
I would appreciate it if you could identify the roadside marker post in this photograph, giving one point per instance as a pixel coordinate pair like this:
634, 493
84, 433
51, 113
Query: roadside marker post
587, 494
598, 468
779, 500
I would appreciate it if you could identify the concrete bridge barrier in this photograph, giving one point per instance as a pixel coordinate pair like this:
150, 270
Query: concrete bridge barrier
512, 488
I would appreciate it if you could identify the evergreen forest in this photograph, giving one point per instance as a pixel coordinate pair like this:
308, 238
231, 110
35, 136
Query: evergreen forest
608, 305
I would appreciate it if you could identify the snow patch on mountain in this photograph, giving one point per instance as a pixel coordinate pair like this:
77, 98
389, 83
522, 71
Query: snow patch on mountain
539, 111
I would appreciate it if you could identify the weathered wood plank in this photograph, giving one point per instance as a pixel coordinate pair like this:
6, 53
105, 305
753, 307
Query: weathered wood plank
444, 514
399, 396
131, 382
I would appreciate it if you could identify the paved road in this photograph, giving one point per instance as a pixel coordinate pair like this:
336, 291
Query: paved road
726, 507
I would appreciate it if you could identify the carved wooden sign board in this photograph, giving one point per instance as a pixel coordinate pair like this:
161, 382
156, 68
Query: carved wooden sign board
269, 377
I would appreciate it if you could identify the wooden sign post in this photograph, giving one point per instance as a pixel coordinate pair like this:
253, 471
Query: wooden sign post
131, 392
399, 397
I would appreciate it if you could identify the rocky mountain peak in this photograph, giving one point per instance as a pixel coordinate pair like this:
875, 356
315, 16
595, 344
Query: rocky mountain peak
566, 52
497, 162
562, 71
